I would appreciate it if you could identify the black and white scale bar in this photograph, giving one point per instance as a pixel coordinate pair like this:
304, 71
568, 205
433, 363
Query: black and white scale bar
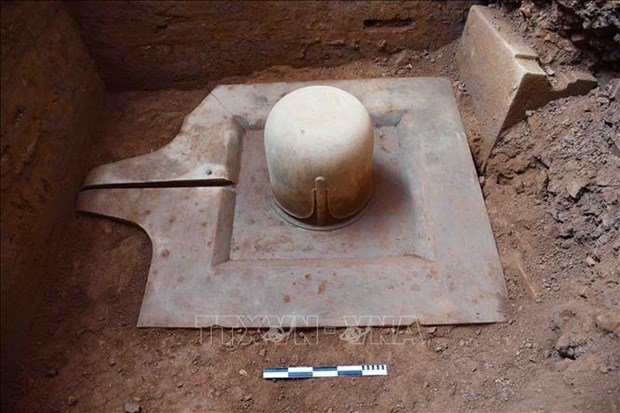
333, 371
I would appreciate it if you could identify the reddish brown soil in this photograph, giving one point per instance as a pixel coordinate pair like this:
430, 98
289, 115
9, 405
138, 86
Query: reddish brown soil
186, 44
552, 191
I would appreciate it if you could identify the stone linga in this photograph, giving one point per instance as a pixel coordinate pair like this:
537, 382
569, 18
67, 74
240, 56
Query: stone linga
319, 149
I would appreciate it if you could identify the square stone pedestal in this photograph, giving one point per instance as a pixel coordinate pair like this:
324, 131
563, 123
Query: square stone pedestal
422, 251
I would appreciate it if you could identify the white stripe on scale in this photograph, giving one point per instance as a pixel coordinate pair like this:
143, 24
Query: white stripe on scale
300, 369
349, 368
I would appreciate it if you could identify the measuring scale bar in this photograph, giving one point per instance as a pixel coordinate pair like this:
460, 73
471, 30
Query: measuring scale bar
332, 371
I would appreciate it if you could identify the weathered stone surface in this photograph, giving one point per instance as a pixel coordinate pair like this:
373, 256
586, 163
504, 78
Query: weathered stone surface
422, 251
503, 75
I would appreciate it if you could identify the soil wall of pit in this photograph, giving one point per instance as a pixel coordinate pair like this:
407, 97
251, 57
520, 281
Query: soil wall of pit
51, 95
174, 44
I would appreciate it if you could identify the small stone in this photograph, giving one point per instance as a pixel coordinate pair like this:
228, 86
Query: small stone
470, 396
609, 322
574, 187
111, 362
566, 231
243, 372
247, 398
583, 292
72, 400
400, 58
590, 261
526, 10
262, 352
438, 349
179, 385
132, 408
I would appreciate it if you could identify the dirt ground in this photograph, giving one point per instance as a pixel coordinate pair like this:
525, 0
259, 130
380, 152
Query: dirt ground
552, 189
